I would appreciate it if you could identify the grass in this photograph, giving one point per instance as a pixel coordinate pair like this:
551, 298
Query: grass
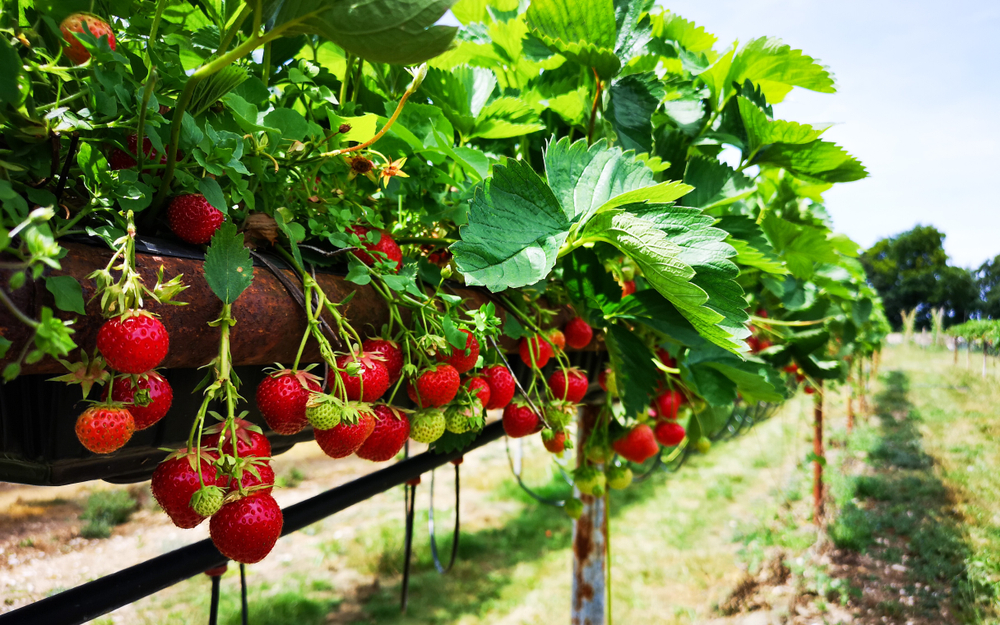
104, 510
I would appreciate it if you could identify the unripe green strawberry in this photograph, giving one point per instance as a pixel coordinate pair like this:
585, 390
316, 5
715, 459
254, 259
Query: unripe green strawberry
619, 477
704, 444
573, 508
322, 413
589, 481
460, 419
207, 500
428, 425
598, 454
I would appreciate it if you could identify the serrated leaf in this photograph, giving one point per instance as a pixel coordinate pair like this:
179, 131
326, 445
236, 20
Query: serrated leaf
715, 183
461, 93
769, 59
633, 29
67, 292
631, 103
762, 131
673, 27
516, 227
10, 68
635, 374
401, 32
820, 160
228, 268
506, 117
589, 285
584, 32
653, 310
213, 193
801, 246
752, 248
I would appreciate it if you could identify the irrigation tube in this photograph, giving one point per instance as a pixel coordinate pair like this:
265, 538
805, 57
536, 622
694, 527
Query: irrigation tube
93, 599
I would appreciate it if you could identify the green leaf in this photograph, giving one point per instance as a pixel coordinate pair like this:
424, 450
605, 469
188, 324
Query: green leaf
801, 246
456, 338
820, 160
633, 29
665, 242
516, 227
762, 131
10, 69
777, 68
689, 35
715, 183
289, 122
67, 292
752, 248
635, 374
4, 346
588, 178
461, 93
513, 328
228, 268
583, 32
631, 103
401, 32
213, 193
506, 117
589, 285
653, 310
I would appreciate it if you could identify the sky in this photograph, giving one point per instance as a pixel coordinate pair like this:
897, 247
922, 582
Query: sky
918, 102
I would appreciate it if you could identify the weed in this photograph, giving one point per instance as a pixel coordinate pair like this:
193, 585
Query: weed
104, 510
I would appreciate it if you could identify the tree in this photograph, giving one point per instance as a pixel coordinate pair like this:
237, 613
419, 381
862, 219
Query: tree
910, 270
988, 287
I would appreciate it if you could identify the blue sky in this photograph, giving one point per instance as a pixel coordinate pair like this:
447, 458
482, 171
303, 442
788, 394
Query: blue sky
918, 101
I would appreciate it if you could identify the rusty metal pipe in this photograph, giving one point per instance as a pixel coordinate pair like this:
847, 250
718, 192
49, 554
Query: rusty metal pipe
590, 534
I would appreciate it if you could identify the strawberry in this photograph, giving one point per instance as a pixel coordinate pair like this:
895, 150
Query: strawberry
618, 477
324, 411
75, 24
556, 338
638, 444
434, 387
248, 479
589, 481
459, 419
703, 445
386, 244
391, 431
391, 356
175, 481
458, 359
666, 358
556, 444
606, 380
158, 396
569, 385
502, 386
669, 433
250, 441
573, 508
427, 425
193, 219
628, 288
792, 368
559, 414
346, 438
103, 429
368, 385
578, 333
480, 389
207, 500
133, 342
535, 351
125, 160
667, 404
519, 420
809, 389
245, 530
282, 397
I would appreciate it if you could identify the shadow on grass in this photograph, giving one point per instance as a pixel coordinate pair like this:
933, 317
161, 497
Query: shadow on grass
903, 513
487, 559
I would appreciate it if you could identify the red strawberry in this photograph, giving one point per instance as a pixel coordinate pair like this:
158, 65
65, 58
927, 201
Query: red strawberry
75, 24
392, 356
666, 358
124, 160
193, 219
248, 479
161, 395
556, 338
104, 429
667, 404
390, 434
569, 385
373, 374
809, 389
578, 333
638, 444
282, 397
457, 357
134, 342
628, 288
386, 244
346, 438
245, 530
535, 350
249, 440
519, 420
479, 388
435, 386
792, 368
556, 444
502, 386
669, 433
175, 480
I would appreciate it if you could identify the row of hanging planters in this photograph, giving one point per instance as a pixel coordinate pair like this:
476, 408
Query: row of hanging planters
383, 204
